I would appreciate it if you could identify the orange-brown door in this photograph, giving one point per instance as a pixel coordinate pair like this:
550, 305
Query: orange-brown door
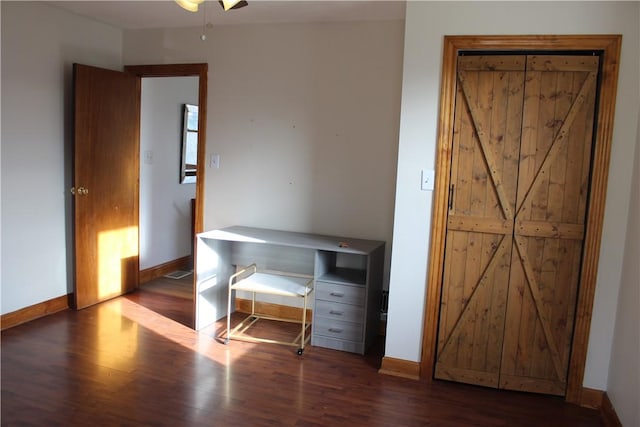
106, 175
519, 174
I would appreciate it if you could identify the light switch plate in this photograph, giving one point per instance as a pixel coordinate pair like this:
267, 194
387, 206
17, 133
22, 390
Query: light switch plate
427, 178
214, 161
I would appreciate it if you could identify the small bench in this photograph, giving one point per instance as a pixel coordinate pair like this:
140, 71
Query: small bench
250, 280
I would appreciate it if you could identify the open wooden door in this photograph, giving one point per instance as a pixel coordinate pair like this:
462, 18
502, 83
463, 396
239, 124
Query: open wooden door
106, 183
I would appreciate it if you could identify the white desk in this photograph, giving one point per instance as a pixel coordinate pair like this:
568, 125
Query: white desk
347, 274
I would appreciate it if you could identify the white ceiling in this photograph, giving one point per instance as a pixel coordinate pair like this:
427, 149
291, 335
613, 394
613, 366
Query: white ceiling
145, 14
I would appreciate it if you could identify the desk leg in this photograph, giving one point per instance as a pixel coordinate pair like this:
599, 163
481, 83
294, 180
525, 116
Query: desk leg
253, 303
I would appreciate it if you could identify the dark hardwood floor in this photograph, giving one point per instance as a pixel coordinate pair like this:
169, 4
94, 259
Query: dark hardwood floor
123, 363
171, 298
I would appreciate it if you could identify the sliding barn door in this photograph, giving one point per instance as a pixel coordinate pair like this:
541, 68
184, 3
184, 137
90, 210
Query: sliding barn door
519, 181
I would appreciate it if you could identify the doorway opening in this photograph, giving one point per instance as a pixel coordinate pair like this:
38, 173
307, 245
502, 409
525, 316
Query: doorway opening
170, 294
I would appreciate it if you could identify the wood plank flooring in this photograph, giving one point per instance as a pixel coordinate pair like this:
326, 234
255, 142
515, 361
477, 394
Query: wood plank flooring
171, 298
179, 288
121, 363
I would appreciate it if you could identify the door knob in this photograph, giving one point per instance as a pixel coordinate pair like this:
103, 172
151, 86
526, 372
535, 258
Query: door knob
81, 191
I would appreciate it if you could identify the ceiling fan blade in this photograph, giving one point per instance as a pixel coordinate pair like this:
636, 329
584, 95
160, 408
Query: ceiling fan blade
232, 4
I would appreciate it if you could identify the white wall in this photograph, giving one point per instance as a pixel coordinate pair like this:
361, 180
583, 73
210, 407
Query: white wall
39, 45
304, 117
623, 386
165, 203
426, 25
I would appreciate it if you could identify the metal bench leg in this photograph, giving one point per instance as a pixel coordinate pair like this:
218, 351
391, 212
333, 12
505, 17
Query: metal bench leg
304, 325
228, 315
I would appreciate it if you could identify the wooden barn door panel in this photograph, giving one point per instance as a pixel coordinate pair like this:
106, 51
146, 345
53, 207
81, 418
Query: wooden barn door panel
549, 227
480, 221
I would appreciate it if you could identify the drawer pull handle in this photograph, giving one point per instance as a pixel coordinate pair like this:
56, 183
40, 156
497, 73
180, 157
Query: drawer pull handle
336, 312
337, 294
335, 330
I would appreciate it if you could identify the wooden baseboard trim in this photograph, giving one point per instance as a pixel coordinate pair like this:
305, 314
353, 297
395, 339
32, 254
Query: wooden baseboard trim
598, 399
149, 274
608, 413
35, 311
591, 398
273, 310
400, 368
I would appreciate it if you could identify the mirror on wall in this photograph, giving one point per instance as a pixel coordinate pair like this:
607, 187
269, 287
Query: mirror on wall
189, 159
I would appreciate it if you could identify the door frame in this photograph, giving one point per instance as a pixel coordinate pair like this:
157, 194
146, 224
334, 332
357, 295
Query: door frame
199, 70
610, 47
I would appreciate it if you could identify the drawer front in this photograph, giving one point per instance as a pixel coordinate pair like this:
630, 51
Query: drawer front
336, 311
339, 293
337, 329
337, 344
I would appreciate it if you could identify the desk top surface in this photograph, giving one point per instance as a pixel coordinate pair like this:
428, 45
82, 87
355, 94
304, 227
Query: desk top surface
291, 238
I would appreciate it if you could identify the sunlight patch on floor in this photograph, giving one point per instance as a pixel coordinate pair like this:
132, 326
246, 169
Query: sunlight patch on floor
200, 342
